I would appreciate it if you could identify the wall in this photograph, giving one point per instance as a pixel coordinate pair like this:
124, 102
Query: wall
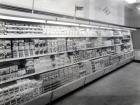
111, 11
20, 3
63, 6
132, 18
57, 6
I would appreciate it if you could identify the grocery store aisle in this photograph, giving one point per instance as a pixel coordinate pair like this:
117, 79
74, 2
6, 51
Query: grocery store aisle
122, 87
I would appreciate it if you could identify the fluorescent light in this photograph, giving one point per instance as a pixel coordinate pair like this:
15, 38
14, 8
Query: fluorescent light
88, 26
62, 23
130, 1
107, 28
132, 29
22, 19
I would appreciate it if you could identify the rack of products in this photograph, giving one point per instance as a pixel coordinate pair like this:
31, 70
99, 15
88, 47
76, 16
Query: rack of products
33, 62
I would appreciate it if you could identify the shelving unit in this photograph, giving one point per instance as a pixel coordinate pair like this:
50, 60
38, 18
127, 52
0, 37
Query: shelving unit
51, 60
41, 55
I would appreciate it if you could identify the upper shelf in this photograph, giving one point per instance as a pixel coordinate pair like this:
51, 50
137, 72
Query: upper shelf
13, 36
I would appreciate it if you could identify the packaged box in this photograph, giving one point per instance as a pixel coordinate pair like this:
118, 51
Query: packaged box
16, 54
7, 44
13, 68
45, 50
36, 42
21, 72
2, 46
15, 45
21, 45
50, 46
30, 69
37, 51
29, 62
5, 70
32, 45
8, 53
27, 46
21, 53
32, 52
27, 52
2, 53
41, 50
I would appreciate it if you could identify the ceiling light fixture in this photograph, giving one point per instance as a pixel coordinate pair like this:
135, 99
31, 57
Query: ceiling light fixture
62, 23
21, 19
88, 26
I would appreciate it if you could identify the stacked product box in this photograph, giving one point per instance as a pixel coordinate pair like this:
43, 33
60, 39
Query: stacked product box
22, 48
99, 64
117, 40
117, 33
22, 91
107, 42
5, 49
20, 28
61, 44
59, 77
2, 28
16, 69
106, 61
56, 45
114, 59
29, 66
41, 46
118, 49
82, 70
8, 72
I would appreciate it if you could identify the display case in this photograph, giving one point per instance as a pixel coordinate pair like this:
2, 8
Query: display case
42, 60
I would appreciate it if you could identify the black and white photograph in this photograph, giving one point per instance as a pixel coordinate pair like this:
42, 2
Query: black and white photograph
69, 52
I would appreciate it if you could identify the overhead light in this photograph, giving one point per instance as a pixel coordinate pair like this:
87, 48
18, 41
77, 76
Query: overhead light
107, 28
22, 19
88, 26
130, 1
132, 29
62, 23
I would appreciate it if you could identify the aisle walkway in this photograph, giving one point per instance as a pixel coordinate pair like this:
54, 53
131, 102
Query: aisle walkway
119, 88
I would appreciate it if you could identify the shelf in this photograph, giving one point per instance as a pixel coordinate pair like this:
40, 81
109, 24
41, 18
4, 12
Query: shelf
126, 52
15, 36
15, 26
69, 87
55, 53
93, 76
56, 68
88, 78
35, 56
25, 76
62, 90
42, 99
